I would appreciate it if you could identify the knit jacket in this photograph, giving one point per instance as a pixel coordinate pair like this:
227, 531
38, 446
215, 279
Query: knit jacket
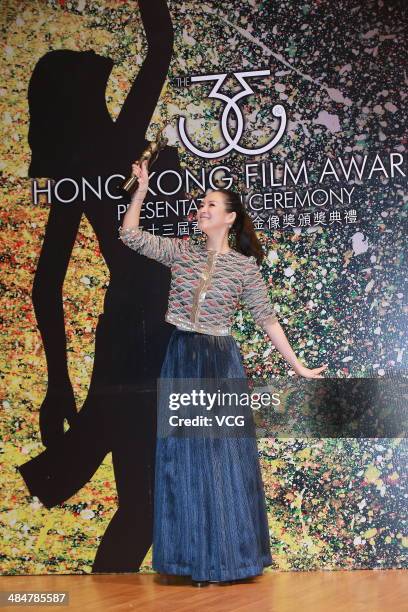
206, 286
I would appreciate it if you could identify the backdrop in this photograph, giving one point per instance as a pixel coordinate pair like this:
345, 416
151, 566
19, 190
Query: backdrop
299, 106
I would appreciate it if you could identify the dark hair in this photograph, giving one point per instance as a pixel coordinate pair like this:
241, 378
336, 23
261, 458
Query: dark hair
246, 240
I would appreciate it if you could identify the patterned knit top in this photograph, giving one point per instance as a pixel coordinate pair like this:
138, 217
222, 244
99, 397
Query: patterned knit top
206, 286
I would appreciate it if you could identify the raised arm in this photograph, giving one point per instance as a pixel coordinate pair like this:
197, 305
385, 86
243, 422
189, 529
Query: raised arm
138, 108
161, 248
256, 297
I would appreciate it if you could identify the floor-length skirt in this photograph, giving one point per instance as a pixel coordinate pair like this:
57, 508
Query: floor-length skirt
210, 518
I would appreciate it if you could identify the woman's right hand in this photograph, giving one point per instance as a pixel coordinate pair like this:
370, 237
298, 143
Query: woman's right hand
142, 174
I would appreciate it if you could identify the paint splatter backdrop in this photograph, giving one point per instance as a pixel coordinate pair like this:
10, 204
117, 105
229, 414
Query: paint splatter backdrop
340, 71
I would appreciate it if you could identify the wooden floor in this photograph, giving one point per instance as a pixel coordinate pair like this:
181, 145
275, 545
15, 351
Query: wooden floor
320, 591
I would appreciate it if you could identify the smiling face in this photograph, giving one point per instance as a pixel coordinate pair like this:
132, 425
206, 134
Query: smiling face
212, 214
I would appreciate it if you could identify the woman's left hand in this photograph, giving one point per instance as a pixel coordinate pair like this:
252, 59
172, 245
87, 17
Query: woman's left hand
310, 372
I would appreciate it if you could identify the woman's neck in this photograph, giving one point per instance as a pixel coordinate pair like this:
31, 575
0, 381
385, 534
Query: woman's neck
218, 244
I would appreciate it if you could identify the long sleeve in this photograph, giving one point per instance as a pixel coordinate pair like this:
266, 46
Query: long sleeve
163, 249
255, 295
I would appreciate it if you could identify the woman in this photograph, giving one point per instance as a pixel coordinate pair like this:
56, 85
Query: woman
210, 518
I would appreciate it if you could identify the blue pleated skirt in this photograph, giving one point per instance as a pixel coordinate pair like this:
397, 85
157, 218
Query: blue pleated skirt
210, 518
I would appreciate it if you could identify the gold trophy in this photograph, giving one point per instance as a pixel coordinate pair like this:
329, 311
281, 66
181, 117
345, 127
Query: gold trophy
151, 153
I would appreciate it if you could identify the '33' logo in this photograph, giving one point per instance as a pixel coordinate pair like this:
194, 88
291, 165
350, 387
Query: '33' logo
231, 106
